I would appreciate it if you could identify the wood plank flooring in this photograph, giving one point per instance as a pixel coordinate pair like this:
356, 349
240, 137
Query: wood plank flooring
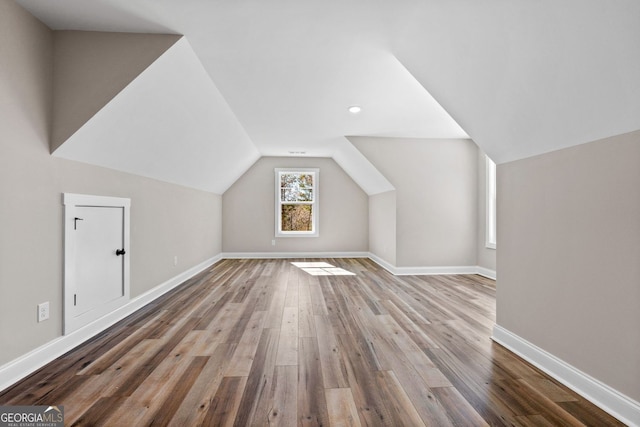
262, 342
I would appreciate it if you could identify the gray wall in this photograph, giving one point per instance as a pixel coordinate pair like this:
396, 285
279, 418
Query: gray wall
436, 197
486, 256
248, 210
569, 256
382, 226
166, 220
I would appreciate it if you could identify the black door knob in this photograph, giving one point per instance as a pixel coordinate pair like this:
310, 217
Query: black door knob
120, 252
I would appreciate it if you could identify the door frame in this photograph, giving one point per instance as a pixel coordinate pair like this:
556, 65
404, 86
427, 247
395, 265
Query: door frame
71, 201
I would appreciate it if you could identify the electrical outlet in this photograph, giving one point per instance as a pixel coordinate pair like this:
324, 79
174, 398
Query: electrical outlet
273, 243
43, 311
175, 260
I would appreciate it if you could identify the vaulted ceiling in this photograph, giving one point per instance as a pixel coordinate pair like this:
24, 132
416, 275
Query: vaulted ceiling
275, 78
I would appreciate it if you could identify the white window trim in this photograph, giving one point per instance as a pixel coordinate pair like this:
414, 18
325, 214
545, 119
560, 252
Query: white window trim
315, 205
490, 204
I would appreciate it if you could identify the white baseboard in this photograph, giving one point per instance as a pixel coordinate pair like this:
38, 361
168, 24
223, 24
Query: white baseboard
610, 400
396, 271
382, 263
426, 271
273, 255
485, 272
21, 367
429, 271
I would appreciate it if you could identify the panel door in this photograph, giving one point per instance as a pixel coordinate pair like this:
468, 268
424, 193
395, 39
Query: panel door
99, 270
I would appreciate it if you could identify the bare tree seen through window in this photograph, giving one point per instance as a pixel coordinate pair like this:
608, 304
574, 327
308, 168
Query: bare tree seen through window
296, 197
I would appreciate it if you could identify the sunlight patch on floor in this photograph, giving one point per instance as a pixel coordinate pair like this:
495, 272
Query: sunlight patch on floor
322, 269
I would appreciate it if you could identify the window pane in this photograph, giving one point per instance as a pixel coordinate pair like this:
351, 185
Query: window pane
299, 180
296, 187
296, 195
491, 204
296, 217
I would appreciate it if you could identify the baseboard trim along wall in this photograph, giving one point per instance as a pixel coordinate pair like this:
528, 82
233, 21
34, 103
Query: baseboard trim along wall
19, 368
426, 271
274, 255
396, 271
489, 274
615, 403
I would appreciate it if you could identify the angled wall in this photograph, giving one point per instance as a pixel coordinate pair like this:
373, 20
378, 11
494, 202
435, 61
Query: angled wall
91, 68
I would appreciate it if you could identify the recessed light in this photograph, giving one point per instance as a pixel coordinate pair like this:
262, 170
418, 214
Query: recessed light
355, 109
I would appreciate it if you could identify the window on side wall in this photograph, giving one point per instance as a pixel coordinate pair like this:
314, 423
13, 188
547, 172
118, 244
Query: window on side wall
491, 204
297, 202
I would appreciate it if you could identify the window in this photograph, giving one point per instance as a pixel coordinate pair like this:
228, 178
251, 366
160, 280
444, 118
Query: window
491, 203
297, 202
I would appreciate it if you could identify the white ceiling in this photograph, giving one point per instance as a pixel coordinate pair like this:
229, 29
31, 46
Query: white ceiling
526, 77
521, 77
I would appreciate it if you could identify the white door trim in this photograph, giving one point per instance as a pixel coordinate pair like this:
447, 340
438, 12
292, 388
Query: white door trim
71, 201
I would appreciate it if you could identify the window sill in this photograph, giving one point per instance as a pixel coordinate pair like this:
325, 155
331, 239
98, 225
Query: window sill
287, 235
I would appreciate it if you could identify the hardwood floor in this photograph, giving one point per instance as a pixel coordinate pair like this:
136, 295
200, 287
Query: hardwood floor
262, 342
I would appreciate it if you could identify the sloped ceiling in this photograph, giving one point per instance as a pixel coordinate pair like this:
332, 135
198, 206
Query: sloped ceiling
527, 77
170, 123
520, 77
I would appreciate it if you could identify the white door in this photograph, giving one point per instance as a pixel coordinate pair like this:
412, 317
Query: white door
99, 261
96, 264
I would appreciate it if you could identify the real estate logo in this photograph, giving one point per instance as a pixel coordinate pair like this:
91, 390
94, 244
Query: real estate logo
31, 416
